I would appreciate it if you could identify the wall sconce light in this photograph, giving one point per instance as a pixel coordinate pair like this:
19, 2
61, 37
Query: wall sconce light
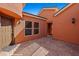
73, 20
18, 22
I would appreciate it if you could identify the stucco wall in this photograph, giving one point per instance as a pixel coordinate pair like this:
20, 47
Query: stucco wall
48, 13
63, 29
18, 27
43, 30
14, 7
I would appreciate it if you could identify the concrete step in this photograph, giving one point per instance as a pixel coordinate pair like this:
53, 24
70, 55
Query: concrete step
8, 51
40, 52
29, 50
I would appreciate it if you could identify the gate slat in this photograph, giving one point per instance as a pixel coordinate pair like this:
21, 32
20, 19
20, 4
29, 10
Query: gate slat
0, 34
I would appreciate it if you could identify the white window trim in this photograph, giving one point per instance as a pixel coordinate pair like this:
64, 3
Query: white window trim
27, 28
32, 29
36, 28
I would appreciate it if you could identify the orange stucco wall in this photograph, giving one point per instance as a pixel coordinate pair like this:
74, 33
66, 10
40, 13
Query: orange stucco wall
43, 30
48, 13
20, 37
12, 9
63, 29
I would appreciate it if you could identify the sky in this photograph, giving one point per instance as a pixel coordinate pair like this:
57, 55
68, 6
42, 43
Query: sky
35, 8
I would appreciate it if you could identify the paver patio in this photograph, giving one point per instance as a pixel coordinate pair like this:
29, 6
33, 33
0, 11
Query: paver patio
47, 46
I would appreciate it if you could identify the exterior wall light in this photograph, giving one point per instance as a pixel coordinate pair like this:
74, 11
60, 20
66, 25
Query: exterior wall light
73, 20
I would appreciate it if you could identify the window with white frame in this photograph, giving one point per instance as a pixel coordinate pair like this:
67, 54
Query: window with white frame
36, 28
31, 29
28, 28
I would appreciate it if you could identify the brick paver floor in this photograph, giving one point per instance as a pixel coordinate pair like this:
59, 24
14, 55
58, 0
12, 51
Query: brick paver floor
49, 47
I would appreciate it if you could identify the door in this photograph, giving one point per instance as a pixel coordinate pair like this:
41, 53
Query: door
5, 31
49, 28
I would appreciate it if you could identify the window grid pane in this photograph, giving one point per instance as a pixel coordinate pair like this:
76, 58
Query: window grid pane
28, 24
28, 31
36, 25
36, 28
36, 31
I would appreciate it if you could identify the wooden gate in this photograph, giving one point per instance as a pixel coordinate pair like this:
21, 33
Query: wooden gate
5, 31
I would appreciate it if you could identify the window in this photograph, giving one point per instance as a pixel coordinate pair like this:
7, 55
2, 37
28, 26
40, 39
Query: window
28, 31
36, 28
28, 24
28, 28
36, 31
